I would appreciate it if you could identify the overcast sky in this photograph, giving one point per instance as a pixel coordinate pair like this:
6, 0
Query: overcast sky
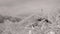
15, 7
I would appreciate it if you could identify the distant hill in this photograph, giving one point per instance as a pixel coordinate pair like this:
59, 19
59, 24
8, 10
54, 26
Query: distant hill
10, 18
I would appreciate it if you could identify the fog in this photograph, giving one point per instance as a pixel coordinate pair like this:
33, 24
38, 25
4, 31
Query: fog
22, 7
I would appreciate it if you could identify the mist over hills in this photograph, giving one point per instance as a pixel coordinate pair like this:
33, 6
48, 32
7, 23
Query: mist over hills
15, 11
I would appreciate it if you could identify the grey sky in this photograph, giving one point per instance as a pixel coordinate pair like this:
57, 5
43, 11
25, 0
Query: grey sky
14, 7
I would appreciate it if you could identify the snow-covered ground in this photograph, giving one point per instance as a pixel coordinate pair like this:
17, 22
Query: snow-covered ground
23, 9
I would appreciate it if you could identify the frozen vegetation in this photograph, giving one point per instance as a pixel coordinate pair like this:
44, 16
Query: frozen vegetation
47, 24
7, 23
33, 24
